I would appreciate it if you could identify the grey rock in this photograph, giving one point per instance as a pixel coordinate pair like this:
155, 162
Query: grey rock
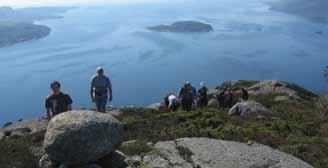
272, 86
81, 137
45, 162
281, 98
213, 103
155, 106
211, 153
115, 112
249, 109
26, 127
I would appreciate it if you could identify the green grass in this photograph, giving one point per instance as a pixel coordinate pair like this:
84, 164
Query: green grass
300, 130
136, 148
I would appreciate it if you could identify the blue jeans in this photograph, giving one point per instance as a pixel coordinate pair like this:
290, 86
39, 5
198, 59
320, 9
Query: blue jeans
101, 103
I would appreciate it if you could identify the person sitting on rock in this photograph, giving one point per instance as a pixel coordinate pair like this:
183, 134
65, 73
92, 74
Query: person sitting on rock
244, 94
186, 97
57, 102
100, 90
202, 95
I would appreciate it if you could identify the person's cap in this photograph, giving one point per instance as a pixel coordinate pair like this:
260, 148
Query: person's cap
187, 83
100, 69
202, 84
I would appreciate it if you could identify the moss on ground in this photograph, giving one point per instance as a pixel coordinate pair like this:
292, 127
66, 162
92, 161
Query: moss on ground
16, 152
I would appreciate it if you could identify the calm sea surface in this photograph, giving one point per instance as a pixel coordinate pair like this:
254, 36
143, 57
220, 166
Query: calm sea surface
249, 41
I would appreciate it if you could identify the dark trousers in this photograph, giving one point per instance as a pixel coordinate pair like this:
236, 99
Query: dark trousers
101, 103
186, 104
202, 102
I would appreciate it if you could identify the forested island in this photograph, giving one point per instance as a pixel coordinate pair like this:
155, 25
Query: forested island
18, 25
13, 32
183, 27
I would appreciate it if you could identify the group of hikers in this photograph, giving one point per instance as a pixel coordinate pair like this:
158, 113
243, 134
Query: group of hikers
189, 98
101, 92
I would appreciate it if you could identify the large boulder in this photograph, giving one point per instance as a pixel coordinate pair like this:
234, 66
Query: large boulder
210, 153
249, 109
81, 137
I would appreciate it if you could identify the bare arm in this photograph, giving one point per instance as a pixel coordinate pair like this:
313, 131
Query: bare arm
110, 91
49, 113
92, 89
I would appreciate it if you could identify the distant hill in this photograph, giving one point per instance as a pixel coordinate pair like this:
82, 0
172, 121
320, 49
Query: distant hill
315, 10
31, 14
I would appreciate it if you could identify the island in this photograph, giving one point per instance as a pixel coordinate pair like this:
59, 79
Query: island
13, 32
183, 27
17, 25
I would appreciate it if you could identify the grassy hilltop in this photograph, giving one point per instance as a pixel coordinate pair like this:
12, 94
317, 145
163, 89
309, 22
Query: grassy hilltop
297, 128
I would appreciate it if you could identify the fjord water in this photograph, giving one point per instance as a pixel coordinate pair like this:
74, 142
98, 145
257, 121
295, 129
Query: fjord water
249, 41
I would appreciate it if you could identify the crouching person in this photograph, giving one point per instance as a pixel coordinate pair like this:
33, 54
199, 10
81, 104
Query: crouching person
57, 102
171, 102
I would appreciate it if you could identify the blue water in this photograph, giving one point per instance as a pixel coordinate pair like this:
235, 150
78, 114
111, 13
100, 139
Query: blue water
249, 42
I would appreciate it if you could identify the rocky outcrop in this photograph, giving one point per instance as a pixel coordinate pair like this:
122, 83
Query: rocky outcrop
249, 109
210, 153
82, 137
272, 86
33, 127
183, 27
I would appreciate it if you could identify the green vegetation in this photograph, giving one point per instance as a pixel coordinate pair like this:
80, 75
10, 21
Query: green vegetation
136, 148
297, 128
16, 152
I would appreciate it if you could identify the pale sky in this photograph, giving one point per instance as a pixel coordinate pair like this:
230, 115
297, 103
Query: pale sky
27, 3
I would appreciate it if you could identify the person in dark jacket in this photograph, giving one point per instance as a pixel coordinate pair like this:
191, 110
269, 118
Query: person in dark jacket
220, 98
194, 94
202, 95
57, 102
186, 97
244, 94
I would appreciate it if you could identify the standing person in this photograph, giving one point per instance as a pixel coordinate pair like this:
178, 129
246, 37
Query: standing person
193, 90
244, 94
100, 90
228, 98
202, 95
186, 97
221, 97
57, 102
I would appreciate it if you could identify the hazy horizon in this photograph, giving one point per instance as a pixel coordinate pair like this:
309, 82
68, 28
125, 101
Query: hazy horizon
39, 3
